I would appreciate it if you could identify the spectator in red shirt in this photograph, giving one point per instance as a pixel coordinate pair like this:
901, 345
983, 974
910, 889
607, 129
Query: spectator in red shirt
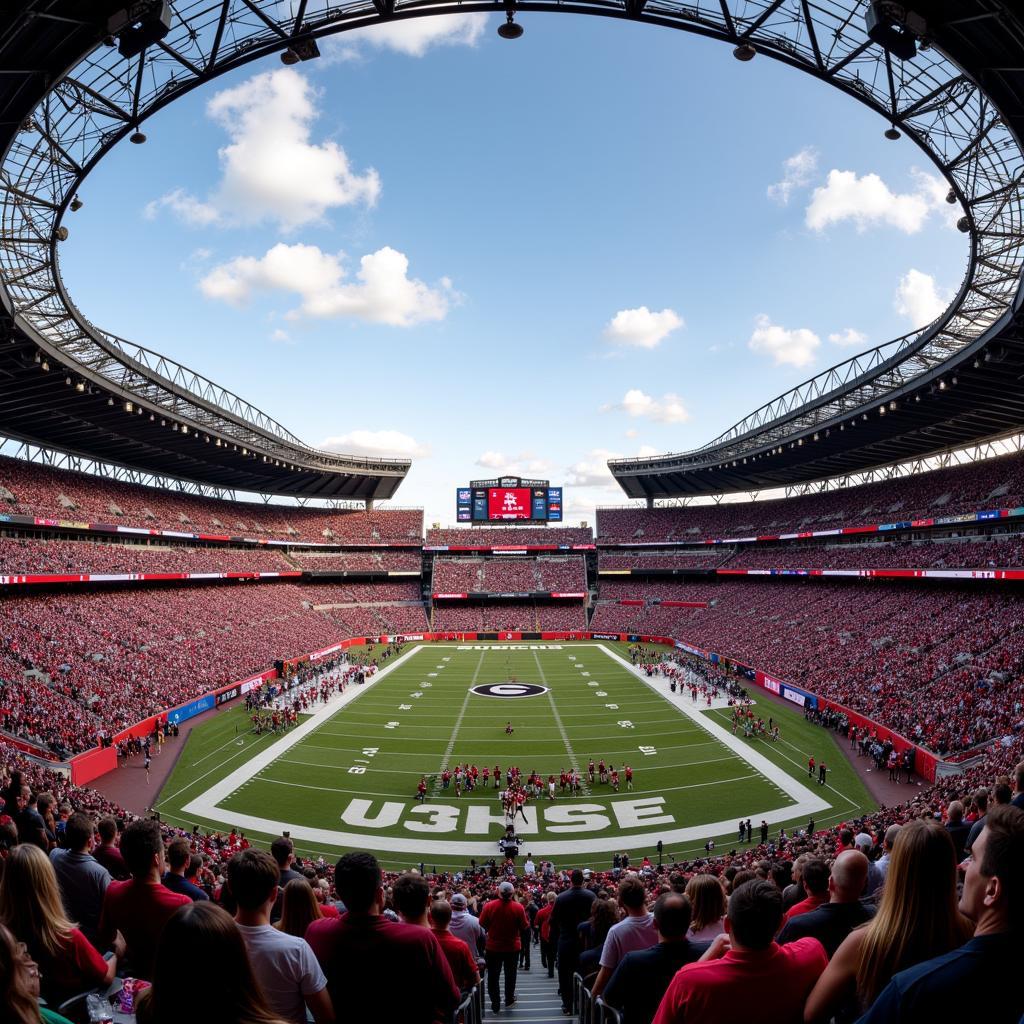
504, 919
460, 959
814, 878
542, 922
746, 968
140, 907
32, 909
107, 852
376, 968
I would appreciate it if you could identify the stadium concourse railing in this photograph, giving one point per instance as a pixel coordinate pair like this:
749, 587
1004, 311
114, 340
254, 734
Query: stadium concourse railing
91, 764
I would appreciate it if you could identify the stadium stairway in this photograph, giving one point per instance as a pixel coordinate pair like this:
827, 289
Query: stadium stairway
537, 1000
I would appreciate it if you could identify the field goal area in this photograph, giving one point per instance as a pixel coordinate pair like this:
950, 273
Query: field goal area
346, 777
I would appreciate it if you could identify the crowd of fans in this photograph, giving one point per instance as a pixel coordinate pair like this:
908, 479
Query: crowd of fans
78, 666
553, 574
871, 920
644, 560
943, 666
994, 553
19, 556
465, 617
993, 483
40, 491
357, 561
509, 536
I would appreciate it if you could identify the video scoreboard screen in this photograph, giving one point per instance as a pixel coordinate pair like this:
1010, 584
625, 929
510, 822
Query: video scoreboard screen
508, 498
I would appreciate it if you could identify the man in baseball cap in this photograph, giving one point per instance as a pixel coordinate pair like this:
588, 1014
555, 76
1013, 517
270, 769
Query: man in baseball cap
505, 920
465, 926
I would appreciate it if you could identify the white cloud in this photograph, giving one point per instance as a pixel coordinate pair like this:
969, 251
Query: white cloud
667, 409
412, 37
797, 171
640, 328
592, 470
848, 337
868, 201
919, 299
786, 347
384, 293
631, 433
385, 443
270, 169
525, 463
278, 335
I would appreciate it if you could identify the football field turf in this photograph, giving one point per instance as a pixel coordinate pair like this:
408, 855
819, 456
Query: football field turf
346, 776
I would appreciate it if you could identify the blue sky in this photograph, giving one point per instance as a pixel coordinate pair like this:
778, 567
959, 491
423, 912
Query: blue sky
489, 256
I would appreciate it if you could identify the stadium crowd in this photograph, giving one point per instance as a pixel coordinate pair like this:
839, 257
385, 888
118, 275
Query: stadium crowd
871, 920
44, 492
357, 561
519, 616
993, 483
77, 666
942, 666
509, 536
20, 556
566, 574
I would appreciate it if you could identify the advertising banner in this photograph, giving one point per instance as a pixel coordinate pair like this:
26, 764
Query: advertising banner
194, 707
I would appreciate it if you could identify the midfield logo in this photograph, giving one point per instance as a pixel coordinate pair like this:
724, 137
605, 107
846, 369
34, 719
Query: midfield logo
509, 690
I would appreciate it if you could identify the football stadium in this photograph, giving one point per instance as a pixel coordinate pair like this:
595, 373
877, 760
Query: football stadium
687, 736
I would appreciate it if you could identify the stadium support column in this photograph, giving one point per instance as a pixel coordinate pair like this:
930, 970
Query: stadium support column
650, 502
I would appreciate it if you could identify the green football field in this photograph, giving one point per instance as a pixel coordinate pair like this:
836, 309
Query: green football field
346, 777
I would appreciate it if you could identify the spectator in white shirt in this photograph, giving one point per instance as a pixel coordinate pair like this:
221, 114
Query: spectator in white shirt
287, 970
635, 931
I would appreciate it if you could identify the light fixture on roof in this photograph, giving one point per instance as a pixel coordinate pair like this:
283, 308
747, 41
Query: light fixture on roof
61, 234
744, 52
137, 137
942, 385
80, 386
964, 224
510, 29
892, 133
110, 400
128, 406
76, 204
881, 411
951, 197
289, 57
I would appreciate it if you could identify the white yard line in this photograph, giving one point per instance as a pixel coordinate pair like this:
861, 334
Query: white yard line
807, 801
573, 762
455, 731
223, 789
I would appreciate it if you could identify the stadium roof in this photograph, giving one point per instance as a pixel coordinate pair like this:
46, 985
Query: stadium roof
75, 84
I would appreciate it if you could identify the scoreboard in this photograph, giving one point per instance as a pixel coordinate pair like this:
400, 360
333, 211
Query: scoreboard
508, 499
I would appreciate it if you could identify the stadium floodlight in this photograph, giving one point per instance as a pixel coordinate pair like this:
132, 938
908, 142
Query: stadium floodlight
61, 234
892, 133
744, 52
964, 224
895, 28
289, 57
510, 30
139, 25
137, 137
76, 204
951, 197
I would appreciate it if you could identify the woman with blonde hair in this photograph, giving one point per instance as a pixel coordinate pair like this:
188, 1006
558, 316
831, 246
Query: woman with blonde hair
299, 908
224, 989
707, 897
917, 920
31, 908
